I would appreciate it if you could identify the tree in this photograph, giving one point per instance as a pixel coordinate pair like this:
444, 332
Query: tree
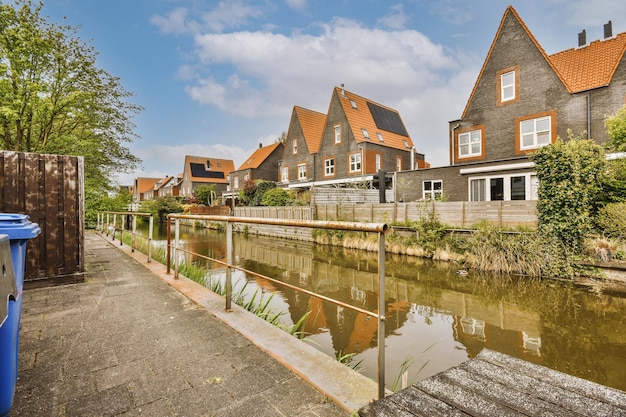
276, 197
570, 177
205, 194
54, 99
160, 207
616, 128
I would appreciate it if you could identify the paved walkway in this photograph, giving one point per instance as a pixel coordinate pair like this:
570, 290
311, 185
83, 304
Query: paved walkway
126, 343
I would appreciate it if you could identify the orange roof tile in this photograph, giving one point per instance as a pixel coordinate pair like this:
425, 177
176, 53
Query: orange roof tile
591, 66
145, 184
258, 156
361, 118
312, 124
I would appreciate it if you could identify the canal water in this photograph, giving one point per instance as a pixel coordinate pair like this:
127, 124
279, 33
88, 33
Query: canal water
436, 318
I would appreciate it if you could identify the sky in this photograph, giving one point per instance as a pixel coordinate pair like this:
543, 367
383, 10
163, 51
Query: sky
218, 78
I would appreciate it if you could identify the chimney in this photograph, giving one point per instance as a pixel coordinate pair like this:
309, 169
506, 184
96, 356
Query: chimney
582, 38
608, 30
343, 92
260, 145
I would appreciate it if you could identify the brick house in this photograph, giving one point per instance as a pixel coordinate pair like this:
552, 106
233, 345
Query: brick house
522, 100
143, 188
200, 170
261, 165
355, 140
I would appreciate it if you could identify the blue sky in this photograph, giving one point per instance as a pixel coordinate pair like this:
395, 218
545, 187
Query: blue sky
216, 78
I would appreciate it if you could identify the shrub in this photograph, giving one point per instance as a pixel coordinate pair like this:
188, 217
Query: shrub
275, 197
611, 220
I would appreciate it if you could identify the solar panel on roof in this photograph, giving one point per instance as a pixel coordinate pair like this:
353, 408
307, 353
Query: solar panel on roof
199, 171
387, 120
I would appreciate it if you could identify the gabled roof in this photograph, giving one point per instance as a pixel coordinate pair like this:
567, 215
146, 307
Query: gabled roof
208, 170
579, 69
312, 124
162, 183
144, 184
259, 156
377, 119
591, 66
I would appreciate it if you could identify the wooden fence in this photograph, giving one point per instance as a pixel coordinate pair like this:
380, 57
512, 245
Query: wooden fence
461, 214
49, 189
454, 213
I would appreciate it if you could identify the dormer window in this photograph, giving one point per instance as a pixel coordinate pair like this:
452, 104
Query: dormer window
353, 104
366, 135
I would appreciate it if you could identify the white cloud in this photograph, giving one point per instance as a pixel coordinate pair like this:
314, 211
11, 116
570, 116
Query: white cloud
297, 5
395, 19
174, 22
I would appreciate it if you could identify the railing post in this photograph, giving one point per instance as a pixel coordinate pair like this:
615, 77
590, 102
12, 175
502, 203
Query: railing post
114, 226
122, 229
381, 315
150, 227
108, 223
133, 233
169, 243
176, 238
229, 261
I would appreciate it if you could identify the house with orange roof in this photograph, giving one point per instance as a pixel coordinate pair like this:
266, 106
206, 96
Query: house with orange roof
353, 142
199, 170
261, 165
143, 188
523, 99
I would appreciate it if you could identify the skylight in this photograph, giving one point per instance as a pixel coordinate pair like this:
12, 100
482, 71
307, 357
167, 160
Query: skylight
406, 144
380, 136
353, 104
366, 135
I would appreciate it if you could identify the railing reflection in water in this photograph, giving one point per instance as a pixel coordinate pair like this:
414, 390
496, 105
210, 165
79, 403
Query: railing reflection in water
379, 228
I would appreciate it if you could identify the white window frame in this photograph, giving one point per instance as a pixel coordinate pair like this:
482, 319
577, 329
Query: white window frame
329, 167
398, 163
472, 137
355, 162
380, 137
535, 132
432, 194
366, 134
236, 182
294, 146
507, 90
338, 134
379, 162
531, 185
284, 174
301, 172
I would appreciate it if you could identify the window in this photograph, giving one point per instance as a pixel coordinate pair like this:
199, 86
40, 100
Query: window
353, 104
284, 174
236, 182
380, 137
246, 177
535, 133
398, 163
432, 190
294, 145
378, 162
355, 162
302, 172
470, 144
507, 86
504, 187
329, 167
338, 134
406, 144
366, 135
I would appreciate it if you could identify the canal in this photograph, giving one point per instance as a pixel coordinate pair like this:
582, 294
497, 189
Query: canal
436, 318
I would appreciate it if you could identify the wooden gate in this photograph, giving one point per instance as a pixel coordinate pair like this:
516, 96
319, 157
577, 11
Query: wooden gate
49, 189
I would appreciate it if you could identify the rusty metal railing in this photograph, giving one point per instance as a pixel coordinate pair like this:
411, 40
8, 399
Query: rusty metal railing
379, 228
107, 223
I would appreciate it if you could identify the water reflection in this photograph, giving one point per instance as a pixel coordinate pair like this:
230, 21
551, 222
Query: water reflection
555, 324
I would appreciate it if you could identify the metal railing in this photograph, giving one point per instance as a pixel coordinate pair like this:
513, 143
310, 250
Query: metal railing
107, 223
379, 228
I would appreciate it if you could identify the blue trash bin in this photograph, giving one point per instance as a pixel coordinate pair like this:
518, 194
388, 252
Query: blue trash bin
9, 327
19, 230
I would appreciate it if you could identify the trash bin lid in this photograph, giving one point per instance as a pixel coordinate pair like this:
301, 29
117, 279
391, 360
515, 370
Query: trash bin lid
8, 287
18, 226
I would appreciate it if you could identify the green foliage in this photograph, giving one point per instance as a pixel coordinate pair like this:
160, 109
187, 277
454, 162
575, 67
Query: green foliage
275, 197
612, 220
246, 195
97, 201
205, 194
616, 128
614, 181
570, 176
54, 99
160, 207
262, 187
